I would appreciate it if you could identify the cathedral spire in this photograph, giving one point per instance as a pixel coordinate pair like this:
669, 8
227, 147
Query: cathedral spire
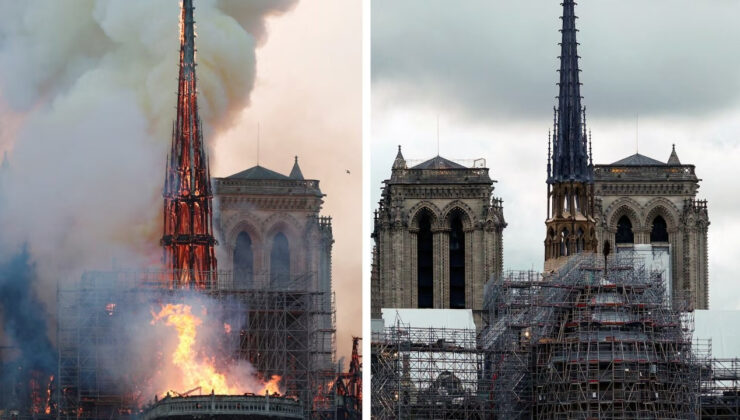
570, 155
399, 162
296, 173
188, 239
673, 158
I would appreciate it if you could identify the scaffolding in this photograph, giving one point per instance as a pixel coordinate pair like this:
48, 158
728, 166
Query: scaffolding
589, 342
428, 373
285, 332
720, 388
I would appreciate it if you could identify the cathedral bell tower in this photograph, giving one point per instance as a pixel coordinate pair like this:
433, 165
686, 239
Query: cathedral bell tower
188, 239
570, 174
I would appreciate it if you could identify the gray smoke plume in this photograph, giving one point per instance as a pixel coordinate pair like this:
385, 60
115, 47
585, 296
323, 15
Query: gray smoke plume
87, 99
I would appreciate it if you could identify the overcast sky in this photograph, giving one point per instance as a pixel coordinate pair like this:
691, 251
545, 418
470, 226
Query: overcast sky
487, 70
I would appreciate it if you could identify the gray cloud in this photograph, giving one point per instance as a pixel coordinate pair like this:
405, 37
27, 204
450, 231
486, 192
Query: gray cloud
497, 60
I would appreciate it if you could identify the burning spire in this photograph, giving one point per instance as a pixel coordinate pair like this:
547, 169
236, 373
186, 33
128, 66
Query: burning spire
188, 239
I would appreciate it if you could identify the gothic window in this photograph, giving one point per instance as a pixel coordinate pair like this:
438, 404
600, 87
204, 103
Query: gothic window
564, 243
280, 262
425, 258
457, 263
660, 230
624, 231
243, 262
577, 200
580, 241
566, 202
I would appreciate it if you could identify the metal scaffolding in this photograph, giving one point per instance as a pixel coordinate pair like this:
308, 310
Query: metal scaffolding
720, 388
285, 332
589, 342
428, 373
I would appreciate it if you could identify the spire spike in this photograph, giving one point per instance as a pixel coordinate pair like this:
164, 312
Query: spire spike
399, 162
296, 173
570, 157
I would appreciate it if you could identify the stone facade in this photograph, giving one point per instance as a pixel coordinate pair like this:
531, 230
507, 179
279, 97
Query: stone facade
272, 216
438, 237
639, 200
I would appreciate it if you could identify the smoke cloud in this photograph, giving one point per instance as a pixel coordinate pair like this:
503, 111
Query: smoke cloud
87, 97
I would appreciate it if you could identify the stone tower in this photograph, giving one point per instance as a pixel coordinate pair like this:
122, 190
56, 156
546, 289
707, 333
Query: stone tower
647, 206
570, 221
188, 239
438, 236
271, 233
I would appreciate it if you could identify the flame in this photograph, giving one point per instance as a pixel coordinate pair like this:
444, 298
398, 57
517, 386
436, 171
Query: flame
227, 328
196, 370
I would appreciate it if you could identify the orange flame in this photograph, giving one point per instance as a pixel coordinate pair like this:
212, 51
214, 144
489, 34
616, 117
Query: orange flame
195, 371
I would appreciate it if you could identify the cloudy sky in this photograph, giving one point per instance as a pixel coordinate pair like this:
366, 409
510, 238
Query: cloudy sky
487, 70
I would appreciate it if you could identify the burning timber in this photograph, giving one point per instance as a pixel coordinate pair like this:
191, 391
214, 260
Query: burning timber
224, 407
282, 335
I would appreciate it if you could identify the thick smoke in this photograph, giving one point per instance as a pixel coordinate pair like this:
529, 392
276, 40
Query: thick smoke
87, 99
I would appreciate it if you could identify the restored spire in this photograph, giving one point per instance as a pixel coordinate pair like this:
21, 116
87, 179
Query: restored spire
188, 239
296, 173
570, 156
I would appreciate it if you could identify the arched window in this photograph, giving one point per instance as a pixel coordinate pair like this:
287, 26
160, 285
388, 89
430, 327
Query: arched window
580, 241
243, 262
624, 231
660, 230
457, 263
280, 262
564, 243
577, 201
566, 202
424, 261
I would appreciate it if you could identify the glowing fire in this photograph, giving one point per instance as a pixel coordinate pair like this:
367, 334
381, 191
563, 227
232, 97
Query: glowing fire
197, 370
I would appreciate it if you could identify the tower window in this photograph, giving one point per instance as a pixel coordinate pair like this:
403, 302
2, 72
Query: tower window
624, 231
243, 262
564, 252
457, 263
280, 262
580, 241
425, 268
660, 230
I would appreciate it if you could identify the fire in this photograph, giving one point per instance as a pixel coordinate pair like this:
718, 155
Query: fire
197, 370
227, 328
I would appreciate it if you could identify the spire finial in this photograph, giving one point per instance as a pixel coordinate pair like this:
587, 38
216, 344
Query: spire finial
296, 173
399, 162
673, 159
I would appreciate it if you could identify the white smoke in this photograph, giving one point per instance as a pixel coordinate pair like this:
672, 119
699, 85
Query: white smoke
87, 99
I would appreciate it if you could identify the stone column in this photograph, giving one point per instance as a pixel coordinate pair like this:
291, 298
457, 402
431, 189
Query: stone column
473, 267
413, 264
441, 268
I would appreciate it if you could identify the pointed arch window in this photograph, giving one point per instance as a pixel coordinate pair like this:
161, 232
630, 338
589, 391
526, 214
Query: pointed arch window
243, 262
457, 263
580, 240
659, 233
280, 262
424, 261
564, 252
624, 231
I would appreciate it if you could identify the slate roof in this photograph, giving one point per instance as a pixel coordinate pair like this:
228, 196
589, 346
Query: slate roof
256, 173
438, 162
638, 160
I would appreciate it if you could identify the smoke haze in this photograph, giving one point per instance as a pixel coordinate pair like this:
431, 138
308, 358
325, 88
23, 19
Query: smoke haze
87, 97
